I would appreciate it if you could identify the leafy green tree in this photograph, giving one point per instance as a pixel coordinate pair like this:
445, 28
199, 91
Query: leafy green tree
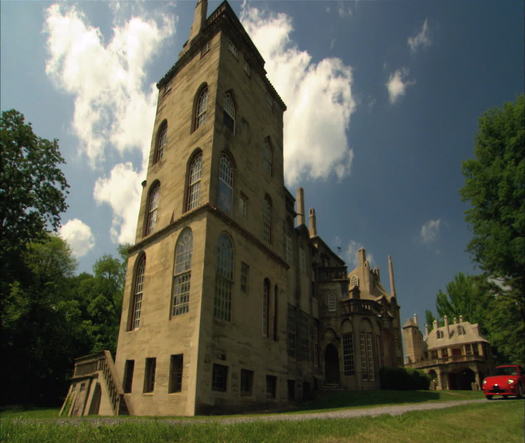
429, 319
466, 295
41, 325
33, 188
495, 188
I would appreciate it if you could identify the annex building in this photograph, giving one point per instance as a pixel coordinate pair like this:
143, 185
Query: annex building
232, 301
454, 354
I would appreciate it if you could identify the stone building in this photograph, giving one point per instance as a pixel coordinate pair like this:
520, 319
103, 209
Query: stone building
455, 355
231, 302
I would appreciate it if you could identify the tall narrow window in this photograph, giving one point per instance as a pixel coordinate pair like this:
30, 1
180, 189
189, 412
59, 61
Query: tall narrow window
266, 308
268, 157
152, 208
366, 350
225, 199
138, 290
194, 182
182, 273
275, 311
267, 219
245, 274
229, 112
129, 367
246, 382
271, 386
201, 107
160, 142
175, 384
348, 354
149, 374
224, 278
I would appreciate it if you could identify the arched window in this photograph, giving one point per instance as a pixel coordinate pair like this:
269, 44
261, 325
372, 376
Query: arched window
229, 112
266, 308
224, 278
152, 208
267, 219
194, 182
225, 198
138, 291
366, 349
160, 141
182, 273
201, 107
354, 281
268, 157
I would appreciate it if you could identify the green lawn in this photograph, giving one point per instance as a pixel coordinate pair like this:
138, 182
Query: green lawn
480, 422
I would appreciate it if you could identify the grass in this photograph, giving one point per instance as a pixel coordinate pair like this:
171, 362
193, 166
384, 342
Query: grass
327, 402
479, 422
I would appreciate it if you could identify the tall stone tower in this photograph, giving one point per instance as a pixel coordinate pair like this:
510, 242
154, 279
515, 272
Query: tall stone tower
209, 233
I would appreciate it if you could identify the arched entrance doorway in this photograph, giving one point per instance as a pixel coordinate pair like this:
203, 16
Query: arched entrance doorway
462, 379
331, 364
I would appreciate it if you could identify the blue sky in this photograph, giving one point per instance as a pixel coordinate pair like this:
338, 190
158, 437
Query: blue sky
383, 101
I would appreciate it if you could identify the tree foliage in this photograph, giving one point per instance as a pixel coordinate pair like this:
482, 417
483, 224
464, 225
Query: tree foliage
51, 316
495, 188
498, 318
33, 188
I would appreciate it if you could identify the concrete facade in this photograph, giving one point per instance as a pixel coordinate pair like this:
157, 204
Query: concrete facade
231, 302
455, 355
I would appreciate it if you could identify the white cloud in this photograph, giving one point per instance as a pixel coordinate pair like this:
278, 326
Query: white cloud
350, 254
318, 96
430, 231
79, 237
111, 111
121, 190
421, 39
397, 84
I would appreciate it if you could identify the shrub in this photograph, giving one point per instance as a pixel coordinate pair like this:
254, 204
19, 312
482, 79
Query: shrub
403, 378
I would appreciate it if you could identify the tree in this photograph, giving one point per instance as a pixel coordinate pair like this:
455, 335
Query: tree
33, 188
466, 295
495, 188
41, 325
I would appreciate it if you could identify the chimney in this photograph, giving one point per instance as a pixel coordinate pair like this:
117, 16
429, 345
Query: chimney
445, 318
426, 329
312, 223
391, 274
199, 17
361, 256
300, 206
415, 319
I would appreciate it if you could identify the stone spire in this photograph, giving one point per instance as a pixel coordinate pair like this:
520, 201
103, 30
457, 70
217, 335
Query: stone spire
391, 274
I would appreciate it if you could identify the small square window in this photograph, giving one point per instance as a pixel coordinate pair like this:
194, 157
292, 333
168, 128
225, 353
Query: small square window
219, 378
246, 382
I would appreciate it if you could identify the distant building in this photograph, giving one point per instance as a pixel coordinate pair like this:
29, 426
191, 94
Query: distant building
455, 355
231, 302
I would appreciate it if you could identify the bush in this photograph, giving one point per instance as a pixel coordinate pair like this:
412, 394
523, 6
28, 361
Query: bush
403, 378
